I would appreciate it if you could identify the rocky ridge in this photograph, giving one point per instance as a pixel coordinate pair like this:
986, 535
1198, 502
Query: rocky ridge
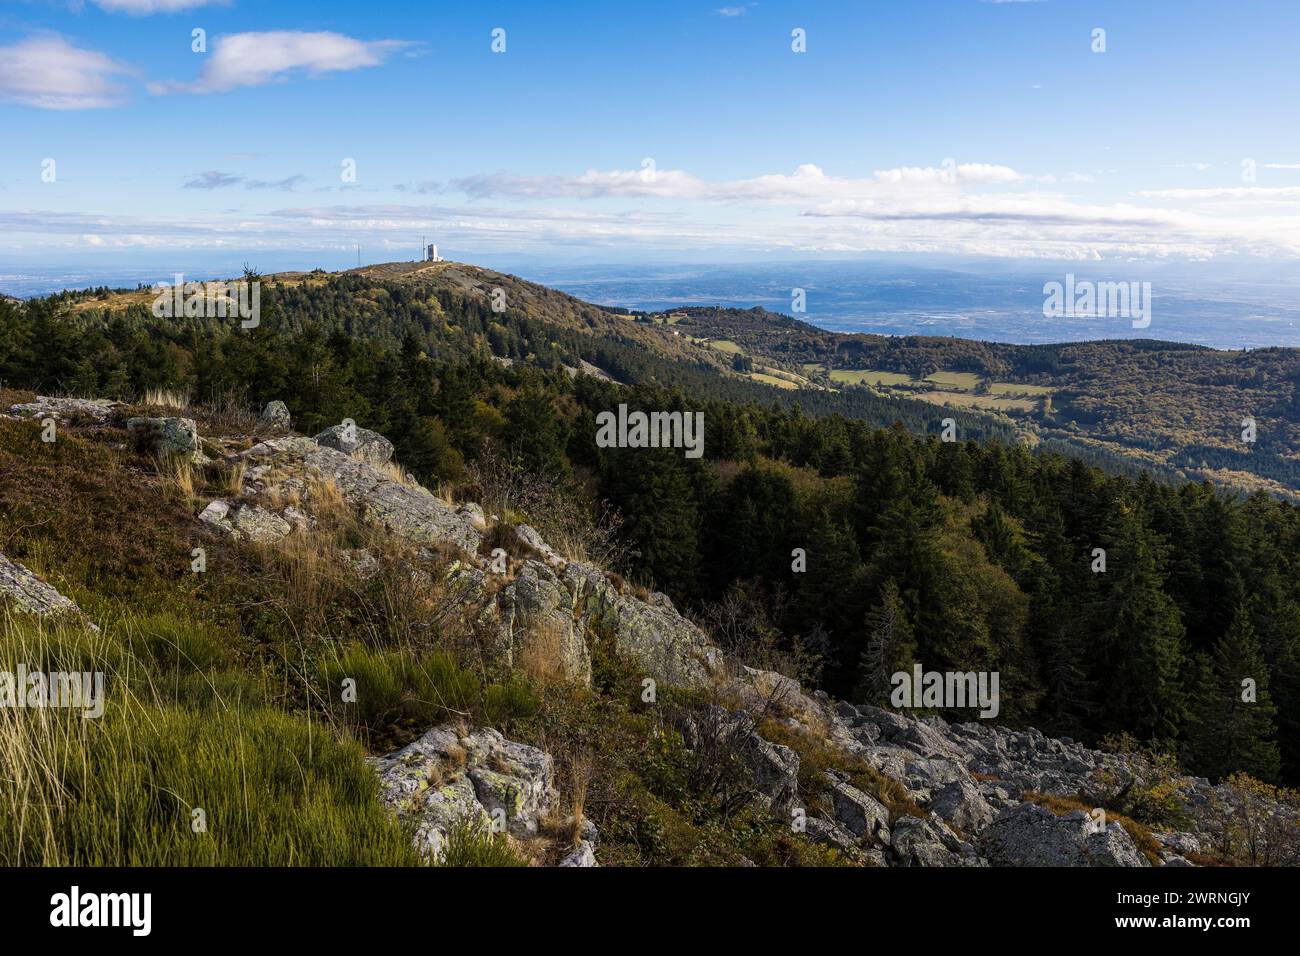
979, 794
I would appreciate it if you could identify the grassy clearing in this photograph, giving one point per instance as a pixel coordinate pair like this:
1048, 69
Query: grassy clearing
955, 381
848, 376
987, 402
767, 379
725, 345
1013, 389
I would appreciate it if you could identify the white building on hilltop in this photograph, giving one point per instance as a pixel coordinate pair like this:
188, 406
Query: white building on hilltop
431, 254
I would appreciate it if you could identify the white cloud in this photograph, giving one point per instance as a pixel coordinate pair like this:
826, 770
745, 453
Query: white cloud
252, 59
950, 173
50, 73
808, 182
140, 8
1225, 192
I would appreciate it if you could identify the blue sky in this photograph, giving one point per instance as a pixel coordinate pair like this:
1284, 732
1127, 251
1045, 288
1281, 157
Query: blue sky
633, 131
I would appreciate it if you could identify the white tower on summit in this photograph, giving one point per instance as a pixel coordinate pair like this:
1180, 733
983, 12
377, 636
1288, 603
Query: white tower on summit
432, 255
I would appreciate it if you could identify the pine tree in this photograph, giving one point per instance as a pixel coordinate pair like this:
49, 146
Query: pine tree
1233, 723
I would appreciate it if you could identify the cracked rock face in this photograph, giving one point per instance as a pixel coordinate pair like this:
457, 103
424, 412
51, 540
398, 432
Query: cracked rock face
359, 443
1029, 835
246, 521
444, 777
409, 511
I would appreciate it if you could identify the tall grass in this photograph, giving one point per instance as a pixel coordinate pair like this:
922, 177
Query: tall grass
274, 788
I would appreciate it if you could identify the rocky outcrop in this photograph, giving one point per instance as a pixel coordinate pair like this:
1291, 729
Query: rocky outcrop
359, 443
66, 409
445, 777
406, 510
246, 521
1029, 835
168, 437
29, 594
537, 616
275, 418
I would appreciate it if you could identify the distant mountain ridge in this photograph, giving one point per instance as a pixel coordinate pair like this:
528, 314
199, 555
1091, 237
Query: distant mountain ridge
1182, 411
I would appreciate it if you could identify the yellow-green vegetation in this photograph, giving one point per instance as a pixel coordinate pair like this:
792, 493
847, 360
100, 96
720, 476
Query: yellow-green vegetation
967, 400
1019, 389
769, 379
954, 381
186, 766
723, 345
869, 377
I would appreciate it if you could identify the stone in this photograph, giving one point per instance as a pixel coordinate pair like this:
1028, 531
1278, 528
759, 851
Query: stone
584, 855
29, 594
918, 842
830, 834
168, 437
859, 813
961, 804
537, 618
275, 417
246, 521
359, 443
409, 511
1030, 835
528, 536
444, 777
66, 408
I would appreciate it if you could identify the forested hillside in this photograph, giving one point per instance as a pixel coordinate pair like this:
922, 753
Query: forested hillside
974, 554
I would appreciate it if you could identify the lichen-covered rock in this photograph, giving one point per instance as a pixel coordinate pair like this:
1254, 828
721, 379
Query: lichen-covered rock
537, 618
275, 417
409, 511
583, 855
670, 648
859, 813
66, 408
444, 777
961, 804
776, 774
359, 443
918, 842
29, 594
529, 537
246, 521
1030, 835
168, 437
831, 834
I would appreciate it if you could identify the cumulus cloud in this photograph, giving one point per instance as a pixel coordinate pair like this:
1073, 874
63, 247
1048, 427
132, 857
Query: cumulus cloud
50, 73
254, 59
